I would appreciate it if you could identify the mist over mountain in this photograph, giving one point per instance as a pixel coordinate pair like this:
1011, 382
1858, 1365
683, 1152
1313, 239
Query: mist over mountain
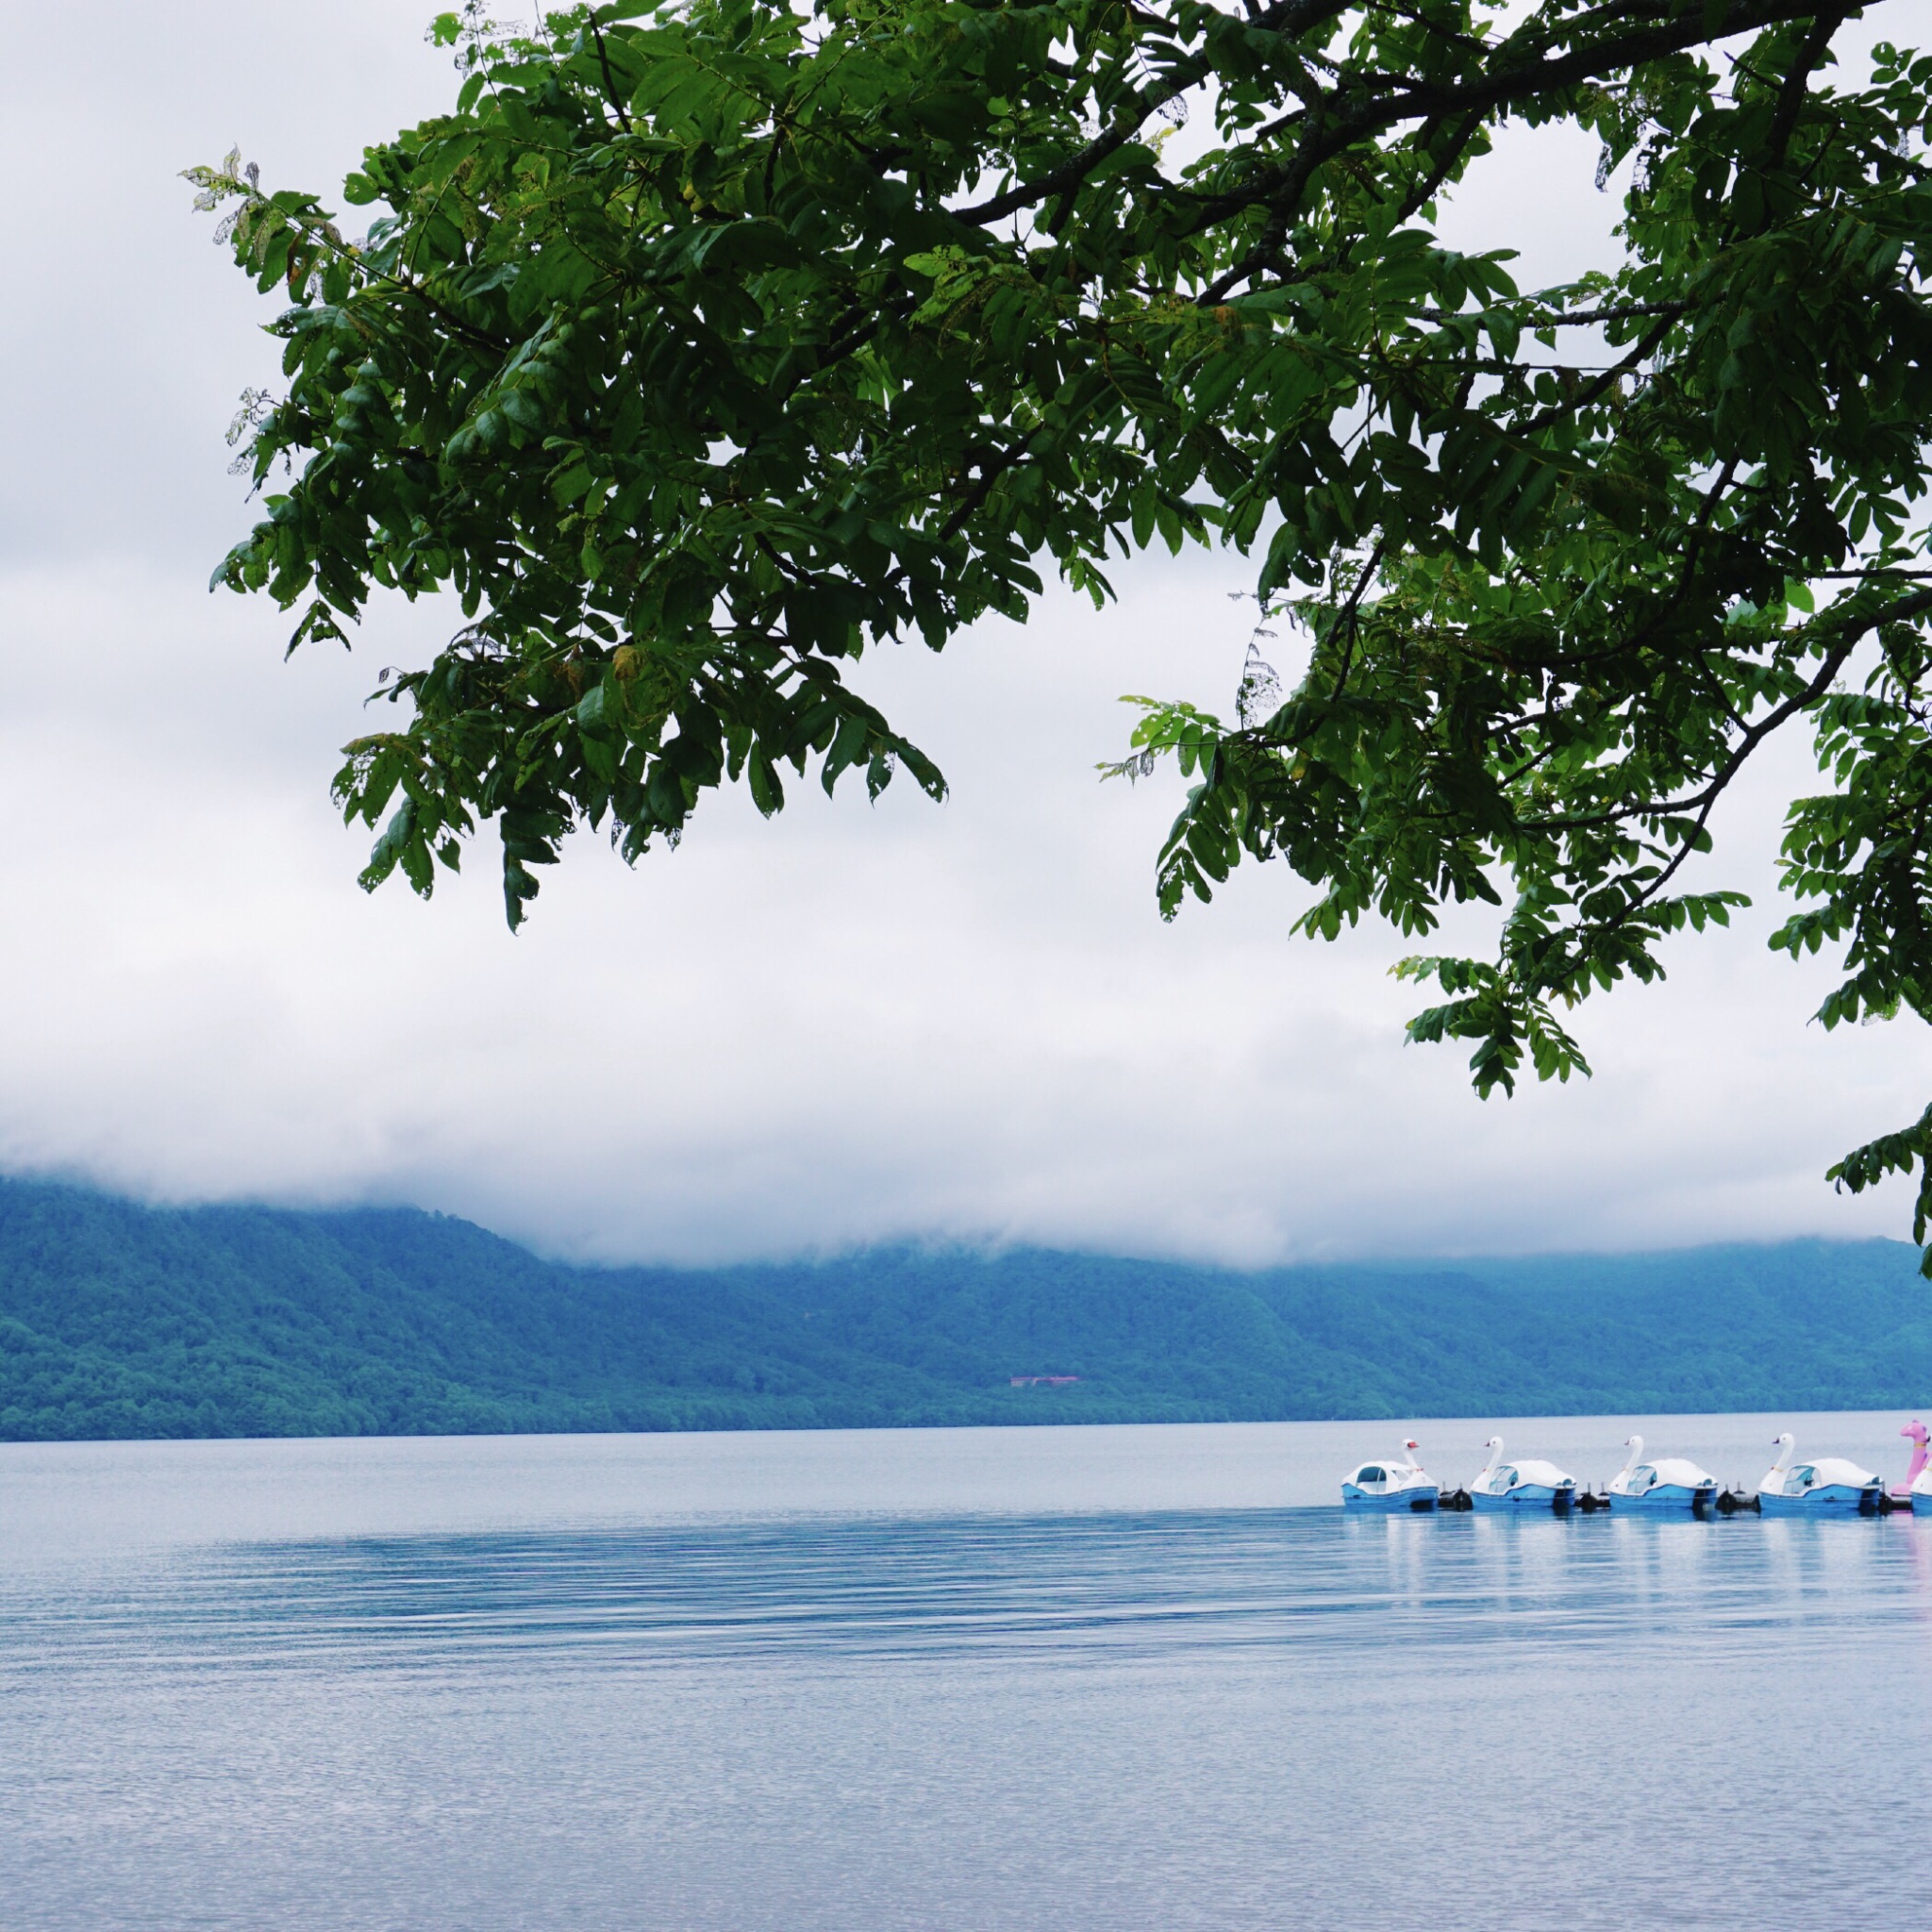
118, 1319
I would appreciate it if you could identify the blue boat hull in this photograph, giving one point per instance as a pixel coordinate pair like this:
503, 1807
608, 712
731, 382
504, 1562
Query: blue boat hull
1829, 1499
1525, 1496
1672, 1497
1424, 1496
1921, 1503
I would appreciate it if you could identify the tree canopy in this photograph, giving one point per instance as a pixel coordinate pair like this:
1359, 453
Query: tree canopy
702, 346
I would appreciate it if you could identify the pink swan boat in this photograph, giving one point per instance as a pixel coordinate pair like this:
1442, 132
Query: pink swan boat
1918, 1485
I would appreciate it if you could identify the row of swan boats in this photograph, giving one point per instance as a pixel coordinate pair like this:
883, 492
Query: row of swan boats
1830, 1486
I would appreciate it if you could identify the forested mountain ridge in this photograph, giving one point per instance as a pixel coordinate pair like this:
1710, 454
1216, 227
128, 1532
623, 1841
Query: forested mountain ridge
118, 1319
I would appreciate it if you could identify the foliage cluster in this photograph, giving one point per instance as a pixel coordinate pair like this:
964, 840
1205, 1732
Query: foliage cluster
703, 346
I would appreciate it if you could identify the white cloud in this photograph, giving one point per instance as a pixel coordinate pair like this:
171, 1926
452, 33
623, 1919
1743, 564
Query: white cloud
852, 1024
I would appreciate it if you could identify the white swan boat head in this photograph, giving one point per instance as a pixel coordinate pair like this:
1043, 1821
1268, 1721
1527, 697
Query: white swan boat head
1831, 1483
1522, 1484
1397, 1482
1670, 1482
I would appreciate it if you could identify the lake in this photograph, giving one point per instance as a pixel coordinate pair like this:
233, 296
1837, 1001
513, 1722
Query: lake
1103, 1679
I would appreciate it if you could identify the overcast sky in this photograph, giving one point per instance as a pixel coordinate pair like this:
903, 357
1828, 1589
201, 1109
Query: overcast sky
857, 1025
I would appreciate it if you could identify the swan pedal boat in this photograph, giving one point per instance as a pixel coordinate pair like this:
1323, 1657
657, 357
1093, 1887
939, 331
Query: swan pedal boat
1399, 1483
1668, 1483
1917, 1493
1521, 1485
1832, 1486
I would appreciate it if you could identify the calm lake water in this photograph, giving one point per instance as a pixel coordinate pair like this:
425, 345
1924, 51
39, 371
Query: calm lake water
1094, 1679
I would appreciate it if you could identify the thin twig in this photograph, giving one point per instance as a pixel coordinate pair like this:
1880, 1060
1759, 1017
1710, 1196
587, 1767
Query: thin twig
611, 92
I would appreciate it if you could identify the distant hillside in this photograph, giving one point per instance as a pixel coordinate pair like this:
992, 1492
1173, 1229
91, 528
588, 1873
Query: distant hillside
123, 1320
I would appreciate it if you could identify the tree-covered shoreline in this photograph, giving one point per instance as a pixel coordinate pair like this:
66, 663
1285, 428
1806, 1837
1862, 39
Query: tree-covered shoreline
119, 1320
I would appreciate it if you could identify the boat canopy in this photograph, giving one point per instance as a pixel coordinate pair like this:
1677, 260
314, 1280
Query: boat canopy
1546, 1472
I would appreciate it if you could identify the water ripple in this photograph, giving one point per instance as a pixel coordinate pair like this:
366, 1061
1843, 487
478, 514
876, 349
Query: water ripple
1064, 1588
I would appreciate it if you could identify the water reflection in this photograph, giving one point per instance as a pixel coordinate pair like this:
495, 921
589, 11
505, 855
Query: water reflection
1161, 1721
1087, 1586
